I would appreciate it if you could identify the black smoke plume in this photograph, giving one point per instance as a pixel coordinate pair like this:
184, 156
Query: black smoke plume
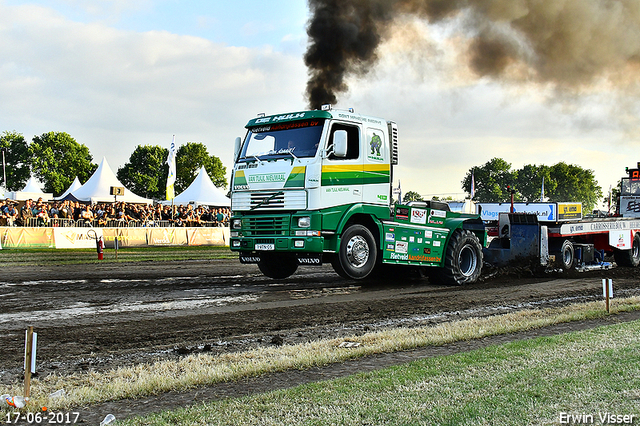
568, 43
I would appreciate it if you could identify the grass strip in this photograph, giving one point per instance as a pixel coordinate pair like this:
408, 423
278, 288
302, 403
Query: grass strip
586, 377
205, 369
30, 257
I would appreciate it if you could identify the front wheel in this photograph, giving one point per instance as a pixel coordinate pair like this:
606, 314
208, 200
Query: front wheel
463, 259
278, 267
357, 254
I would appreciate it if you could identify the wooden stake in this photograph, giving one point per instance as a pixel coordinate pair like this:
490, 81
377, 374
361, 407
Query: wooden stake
607, 288
27, 368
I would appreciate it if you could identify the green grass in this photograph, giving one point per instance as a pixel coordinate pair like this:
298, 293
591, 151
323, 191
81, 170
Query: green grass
205, 369
25, 257
529, 382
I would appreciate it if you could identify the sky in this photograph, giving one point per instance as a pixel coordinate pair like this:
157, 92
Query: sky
116, 74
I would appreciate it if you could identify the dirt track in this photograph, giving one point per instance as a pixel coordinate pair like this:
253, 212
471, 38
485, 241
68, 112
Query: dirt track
95, 317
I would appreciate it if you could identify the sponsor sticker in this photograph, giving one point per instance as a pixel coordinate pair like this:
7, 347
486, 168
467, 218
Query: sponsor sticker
402, 247
419, 216
389, 236
399, 256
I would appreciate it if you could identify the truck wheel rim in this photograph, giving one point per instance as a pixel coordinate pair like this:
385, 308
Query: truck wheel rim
357, 251
468, 261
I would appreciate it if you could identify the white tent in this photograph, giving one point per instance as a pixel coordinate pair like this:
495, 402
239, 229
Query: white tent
98, 188
202, 192
74, 185
30, 191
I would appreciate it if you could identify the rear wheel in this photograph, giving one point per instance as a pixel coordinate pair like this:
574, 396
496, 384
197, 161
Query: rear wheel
277, 267
629, 257
357, 253
463, 259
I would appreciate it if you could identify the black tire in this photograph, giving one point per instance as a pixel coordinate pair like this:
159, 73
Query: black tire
631, 257
278, 267
463, 259
567, 256
357, 253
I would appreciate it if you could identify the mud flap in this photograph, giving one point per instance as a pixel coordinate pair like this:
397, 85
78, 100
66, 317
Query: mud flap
310, 259
249, 257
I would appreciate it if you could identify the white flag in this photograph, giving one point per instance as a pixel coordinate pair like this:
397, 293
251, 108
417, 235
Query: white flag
171, 178
473, 185
398, 191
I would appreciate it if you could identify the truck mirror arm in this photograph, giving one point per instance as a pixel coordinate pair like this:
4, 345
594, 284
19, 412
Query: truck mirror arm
327, 152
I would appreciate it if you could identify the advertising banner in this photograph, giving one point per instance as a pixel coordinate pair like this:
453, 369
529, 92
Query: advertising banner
630, 206
569, 211
167, 236
127, 237
69, 238
546, 212
208, 236
27, 237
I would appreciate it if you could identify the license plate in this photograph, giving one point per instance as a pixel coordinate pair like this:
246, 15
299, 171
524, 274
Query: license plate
265, 247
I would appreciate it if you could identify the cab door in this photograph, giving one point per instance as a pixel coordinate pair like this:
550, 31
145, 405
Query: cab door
342, 177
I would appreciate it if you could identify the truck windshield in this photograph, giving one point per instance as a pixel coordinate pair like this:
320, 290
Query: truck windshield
298, 139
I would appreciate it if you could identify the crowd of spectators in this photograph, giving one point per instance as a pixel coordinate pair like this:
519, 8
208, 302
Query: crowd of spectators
70, 213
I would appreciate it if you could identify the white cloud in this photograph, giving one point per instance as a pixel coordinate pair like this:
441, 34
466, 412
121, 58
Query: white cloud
113, 90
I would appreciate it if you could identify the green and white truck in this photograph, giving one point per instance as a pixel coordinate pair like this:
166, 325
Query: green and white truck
314, 187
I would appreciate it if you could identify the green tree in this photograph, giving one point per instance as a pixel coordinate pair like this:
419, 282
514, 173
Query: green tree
146, 172
190, 158
411, 196
528, 182
491, 181
16, 160
56, 159
573, 183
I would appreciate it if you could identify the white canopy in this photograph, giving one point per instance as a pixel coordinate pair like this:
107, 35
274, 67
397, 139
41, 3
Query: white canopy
74, 185
202, 192
30, 191
98, 188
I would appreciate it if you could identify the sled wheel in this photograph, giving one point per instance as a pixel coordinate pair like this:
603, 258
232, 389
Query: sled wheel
463, 259
567, 256
629, 257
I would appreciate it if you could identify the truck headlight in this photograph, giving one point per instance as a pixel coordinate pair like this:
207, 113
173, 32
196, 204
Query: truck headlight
237, 223
304, 222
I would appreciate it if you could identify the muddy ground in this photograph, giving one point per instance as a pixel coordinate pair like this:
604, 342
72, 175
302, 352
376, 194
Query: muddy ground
92, 317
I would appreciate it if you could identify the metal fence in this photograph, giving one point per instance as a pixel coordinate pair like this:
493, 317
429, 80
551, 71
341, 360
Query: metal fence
35, 222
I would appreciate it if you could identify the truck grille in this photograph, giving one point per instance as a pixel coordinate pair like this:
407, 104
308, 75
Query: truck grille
282, 200
266, 226
270, 200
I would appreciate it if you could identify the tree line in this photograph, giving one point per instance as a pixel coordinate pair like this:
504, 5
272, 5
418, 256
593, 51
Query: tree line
56, 159
495, 180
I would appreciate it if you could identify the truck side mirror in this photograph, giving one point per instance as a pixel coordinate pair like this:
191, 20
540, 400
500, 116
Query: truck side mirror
236, 148
340, 143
